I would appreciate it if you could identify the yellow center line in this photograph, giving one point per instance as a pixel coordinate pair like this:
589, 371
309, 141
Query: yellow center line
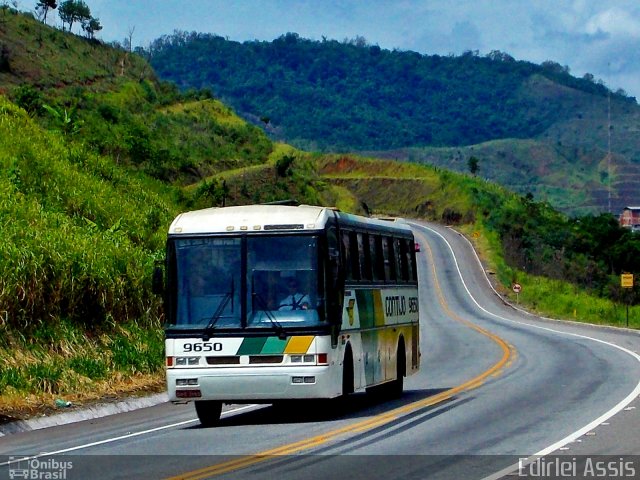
378, 420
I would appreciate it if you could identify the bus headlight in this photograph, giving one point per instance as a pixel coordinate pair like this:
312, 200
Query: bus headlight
309, 359
185, 361
186, 382
307, 380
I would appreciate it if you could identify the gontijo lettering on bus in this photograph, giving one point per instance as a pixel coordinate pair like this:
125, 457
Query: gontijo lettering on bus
397, 305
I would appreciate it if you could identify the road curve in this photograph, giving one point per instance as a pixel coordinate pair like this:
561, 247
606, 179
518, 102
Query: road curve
496, 385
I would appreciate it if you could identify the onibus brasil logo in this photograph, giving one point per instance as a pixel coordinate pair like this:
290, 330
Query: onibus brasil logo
38, 469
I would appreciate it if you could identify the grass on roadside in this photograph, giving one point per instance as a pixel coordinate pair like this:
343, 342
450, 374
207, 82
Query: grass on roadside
564, 301
62, 361
547, 297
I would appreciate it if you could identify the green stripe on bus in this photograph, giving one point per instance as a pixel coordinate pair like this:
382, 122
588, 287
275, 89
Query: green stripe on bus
251, 345
274, 345
365, 308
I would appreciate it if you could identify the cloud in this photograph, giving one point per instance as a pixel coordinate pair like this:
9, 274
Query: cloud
615, 21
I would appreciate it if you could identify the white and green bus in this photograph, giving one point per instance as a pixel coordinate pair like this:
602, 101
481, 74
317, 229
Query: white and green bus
265, 303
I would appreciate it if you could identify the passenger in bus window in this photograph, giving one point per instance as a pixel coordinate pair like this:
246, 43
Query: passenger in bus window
295, 300
205, 277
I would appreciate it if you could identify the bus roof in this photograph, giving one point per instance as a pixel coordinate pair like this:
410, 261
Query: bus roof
260, 218
249, 218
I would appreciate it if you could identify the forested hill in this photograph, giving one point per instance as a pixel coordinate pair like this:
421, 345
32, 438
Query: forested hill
533, 128
351, 95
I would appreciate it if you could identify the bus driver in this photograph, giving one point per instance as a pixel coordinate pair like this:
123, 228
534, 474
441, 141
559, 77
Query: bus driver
295, 300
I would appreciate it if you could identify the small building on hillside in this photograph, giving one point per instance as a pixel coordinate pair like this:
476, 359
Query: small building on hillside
630, 218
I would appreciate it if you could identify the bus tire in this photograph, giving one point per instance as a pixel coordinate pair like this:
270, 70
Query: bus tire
208, 412
347, 373
397, 386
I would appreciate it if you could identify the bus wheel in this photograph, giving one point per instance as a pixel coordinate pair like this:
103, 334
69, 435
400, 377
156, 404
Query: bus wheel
347, 373
397, 386
208, 412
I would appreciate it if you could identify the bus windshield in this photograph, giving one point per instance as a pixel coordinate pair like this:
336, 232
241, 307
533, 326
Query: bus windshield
208, 282
282, 276
279, 278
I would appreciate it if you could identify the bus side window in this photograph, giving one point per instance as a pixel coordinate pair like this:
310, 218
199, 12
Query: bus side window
375, 252
363, 256
389, 264
404, 257
401, 266
411, 261
355, 256
346, 248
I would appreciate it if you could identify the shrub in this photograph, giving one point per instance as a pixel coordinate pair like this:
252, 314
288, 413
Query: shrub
5, 65
29, 98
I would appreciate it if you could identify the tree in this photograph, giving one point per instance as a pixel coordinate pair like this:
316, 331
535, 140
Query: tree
283, 165
28, 97
473, 165
43, 7
72, 11
5, 65
555, 67
128, 41
498, 56
91, 27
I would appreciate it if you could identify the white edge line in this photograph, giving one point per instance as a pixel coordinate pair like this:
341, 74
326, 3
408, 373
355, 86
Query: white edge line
115, 439
570, 438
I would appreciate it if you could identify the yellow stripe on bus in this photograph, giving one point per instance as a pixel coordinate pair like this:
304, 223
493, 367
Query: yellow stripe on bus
299, 344
378, 308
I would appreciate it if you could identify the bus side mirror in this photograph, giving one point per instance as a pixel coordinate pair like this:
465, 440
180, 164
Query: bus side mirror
335, 269
157, 283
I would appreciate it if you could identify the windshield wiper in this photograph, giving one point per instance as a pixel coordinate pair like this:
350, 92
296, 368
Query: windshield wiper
206, 333
276, 325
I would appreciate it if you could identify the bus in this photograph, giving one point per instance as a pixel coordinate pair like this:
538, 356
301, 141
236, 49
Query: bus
235, 331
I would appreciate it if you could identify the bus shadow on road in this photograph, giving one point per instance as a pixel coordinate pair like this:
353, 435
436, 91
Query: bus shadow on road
306, 411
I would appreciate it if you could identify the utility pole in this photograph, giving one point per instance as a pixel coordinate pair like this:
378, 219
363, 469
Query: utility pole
609, 146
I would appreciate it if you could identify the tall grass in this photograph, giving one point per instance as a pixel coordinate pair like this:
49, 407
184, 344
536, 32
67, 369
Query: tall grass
557, 299
73, 244
78, 367
562, 300
79, 239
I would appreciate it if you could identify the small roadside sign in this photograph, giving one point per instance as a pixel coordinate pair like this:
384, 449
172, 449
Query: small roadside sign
626, 280
517, 287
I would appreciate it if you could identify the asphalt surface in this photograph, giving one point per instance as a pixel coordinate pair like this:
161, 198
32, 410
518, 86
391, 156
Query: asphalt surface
496, 386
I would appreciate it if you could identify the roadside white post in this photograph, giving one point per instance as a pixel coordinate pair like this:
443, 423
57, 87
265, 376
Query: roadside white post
517, 288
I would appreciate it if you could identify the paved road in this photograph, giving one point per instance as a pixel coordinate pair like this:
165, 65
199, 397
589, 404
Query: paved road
495, 386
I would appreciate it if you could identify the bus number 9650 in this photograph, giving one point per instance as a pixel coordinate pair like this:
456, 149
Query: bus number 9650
202, 347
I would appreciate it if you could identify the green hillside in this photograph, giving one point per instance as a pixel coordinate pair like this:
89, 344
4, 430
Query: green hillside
572, 179
352, 96
96, 161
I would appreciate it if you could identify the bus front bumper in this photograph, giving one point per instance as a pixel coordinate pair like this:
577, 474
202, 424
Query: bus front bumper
267, 384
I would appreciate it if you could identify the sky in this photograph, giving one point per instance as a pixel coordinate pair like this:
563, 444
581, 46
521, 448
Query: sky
600, 37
